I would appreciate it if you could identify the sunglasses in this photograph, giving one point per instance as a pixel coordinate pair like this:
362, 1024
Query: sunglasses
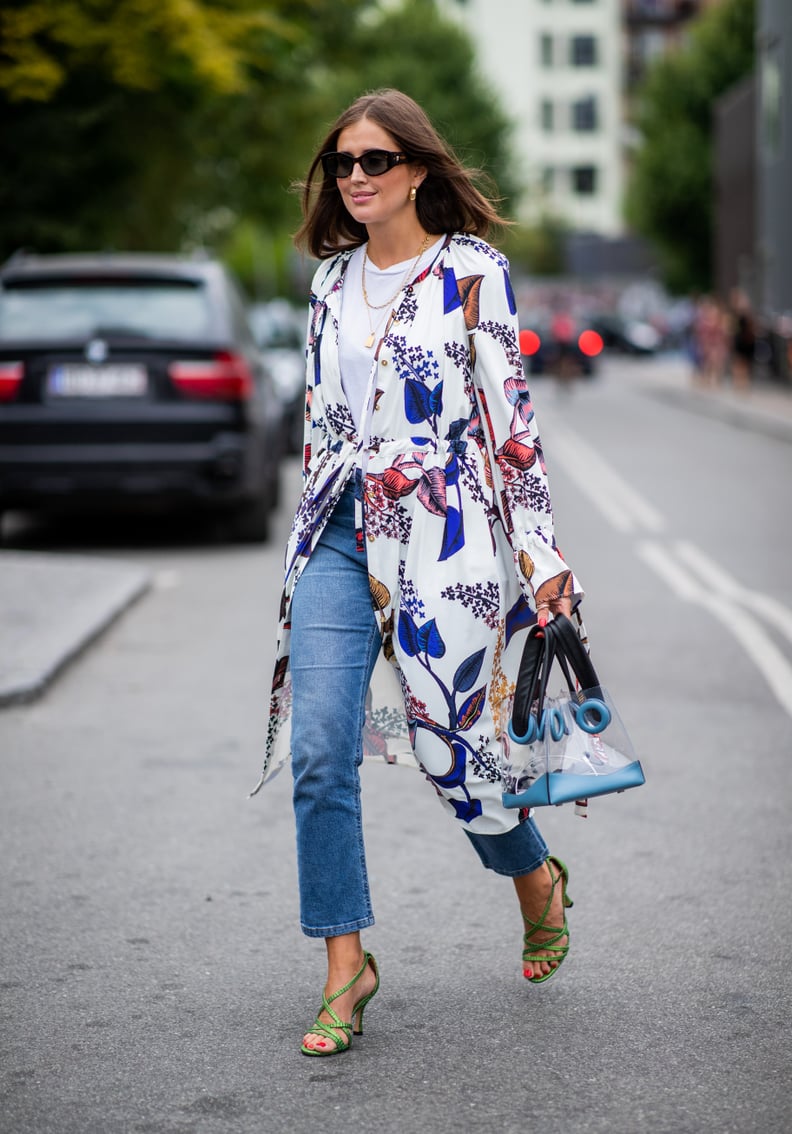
372, 162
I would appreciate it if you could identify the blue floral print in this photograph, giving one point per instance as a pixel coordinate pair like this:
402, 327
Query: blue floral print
454, 517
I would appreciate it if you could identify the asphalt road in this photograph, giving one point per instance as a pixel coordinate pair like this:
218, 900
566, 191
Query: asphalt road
154, 978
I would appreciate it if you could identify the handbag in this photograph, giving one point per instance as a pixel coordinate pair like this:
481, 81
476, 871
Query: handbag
568, 747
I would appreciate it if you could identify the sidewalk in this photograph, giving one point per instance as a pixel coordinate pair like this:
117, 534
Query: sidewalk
52, 606
765, 408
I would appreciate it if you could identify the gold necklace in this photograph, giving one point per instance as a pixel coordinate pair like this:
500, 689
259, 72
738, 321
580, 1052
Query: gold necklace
379, 306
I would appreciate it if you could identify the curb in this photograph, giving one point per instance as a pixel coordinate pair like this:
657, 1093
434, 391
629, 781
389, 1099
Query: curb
53, 607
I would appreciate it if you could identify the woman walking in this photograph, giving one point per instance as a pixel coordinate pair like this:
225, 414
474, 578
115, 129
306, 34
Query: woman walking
423, 541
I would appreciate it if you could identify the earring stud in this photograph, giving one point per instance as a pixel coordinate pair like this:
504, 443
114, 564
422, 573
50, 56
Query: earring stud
413, 193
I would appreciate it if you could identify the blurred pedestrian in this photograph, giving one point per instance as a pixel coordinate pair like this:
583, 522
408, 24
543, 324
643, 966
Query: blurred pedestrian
563, 332
424, 534
743, 342
712, 339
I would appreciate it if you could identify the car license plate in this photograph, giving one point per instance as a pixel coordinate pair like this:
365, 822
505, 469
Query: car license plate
119, 380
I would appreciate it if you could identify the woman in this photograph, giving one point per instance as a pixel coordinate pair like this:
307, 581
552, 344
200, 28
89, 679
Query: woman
423, 535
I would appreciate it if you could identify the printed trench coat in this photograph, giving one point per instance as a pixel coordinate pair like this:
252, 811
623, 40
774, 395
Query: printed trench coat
453, 513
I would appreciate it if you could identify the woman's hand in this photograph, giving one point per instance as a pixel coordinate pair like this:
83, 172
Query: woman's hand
560, 605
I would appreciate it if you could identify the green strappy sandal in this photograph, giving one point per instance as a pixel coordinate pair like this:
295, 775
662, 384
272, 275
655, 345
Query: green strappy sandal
536, 952
339, 1032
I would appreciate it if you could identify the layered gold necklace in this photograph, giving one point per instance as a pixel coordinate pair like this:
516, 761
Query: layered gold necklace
380, 306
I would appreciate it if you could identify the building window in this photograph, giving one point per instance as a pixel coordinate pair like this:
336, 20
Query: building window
546, 50
583, 51
548, 179
548, 115
584, 180
584, 114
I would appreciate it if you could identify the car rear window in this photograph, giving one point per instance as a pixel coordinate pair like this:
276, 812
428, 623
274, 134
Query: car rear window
50, 310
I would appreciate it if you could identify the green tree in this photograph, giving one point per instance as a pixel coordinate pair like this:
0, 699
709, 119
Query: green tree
539, 248
165, 124
670, 192
148, 124
411, 47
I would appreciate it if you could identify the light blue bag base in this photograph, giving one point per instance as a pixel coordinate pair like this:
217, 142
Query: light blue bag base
558, 787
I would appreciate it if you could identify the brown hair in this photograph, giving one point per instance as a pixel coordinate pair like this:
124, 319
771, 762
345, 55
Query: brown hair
447, 201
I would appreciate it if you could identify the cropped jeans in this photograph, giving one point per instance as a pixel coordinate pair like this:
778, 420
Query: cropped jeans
335, 642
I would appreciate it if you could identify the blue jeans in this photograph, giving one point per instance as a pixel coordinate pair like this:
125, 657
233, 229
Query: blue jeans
335, 642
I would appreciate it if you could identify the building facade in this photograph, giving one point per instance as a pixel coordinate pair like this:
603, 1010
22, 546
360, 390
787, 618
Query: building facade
557, 67
564, 71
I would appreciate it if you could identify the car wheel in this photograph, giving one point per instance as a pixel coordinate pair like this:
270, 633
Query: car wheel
251, 523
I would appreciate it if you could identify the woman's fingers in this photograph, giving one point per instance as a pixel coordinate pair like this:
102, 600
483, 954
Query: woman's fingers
561, 605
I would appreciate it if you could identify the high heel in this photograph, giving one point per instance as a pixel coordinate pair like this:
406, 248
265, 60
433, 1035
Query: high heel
339, 1032
547, 951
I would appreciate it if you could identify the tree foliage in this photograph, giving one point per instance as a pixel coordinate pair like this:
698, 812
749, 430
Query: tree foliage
161, 124
670, 193
538, 249
136, 124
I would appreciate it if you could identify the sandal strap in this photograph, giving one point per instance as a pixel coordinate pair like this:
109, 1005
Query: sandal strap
534, 950
555, 933
327, 1001
330, 1031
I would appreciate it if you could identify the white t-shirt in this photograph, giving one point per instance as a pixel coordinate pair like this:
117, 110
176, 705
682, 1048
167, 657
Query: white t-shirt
357, 321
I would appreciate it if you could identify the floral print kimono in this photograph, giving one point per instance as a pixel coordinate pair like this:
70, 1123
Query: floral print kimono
453, 514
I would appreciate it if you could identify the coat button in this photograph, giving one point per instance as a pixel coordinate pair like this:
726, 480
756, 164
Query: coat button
384, 362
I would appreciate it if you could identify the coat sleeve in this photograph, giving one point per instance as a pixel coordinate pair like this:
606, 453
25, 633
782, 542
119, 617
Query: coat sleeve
511, 434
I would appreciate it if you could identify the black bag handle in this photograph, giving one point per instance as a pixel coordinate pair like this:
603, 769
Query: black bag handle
569, 649
544, 644
535, 664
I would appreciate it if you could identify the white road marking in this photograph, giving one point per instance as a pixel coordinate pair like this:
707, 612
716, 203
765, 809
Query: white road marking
688, 571
166, 579
764, 653
774, 612
617, 500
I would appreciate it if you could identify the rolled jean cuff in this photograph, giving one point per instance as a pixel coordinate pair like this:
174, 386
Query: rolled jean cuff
338, 930
519, 851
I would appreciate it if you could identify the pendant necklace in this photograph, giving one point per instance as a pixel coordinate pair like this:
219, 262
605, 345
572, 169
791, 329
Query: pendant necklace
379, 306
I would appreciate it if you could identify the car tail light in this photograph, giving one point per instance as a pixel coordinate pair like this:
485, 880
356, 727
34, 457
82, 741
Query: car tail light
226, 375
590, 343
10, 379
529, 342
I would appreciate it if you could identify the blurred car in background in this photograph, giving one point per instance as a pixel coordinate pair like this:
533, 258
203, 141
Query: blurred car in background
279, 329
631, 336
134, 381
559, 344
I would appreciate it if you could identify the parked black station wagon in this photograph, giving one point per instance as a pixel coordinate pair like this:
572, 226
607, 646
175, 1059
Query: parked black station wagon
134, 381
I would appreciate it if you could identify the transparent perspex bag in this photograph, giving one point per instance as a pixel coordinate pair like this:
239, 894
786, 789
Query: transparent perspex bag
568, 747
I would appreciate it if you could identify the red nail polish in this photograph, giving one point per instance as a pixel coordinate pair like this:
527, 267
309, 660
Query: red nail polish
542, 620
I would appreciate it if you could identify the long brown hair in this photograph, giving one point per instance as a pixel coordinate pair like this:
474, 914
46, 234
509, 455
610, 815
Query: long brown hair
447, 201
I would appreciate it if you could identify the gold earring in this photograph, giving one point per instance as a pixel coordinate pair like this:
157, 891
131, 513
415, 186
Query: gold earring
413, 193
